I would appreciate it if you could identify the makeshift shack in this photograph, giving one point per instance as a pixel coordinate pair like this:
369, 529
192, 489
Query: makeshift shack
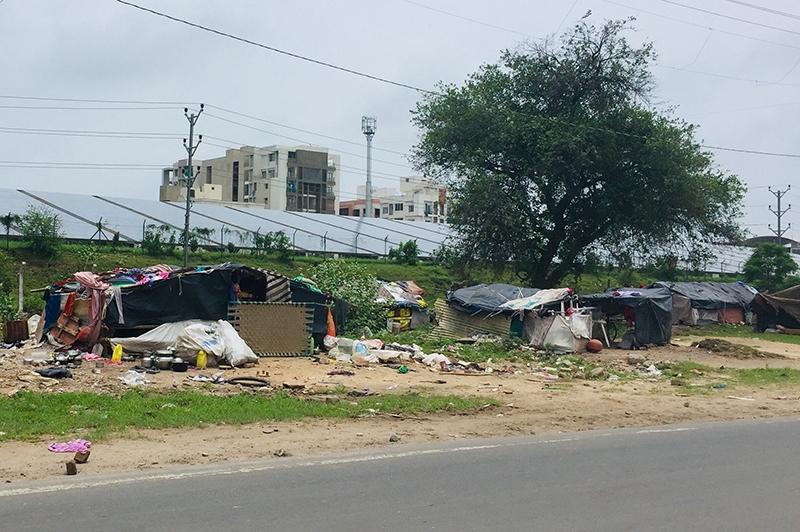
647, 310
697, 303
780, 310
407, 308
551, 321
273, 314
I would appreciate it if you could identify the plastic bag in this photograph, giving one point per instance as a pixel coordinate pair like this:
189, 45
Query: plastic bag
330, 342
435, 359
132, 378
198, 336
236, 351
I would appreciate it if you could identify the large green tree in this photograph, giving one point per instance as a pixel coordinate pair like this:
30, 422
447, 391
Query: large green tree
556, 152
770, 267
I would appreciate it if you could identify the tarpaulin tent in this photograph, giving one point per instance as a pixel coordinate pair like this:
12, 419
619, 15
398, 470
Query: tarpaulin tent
778, 309
651, 309
697, 302
487, 297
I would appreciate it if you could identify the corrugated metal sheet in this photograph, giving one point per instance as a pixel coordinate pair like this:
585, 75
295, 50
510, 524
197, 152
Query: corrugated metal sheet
454, 324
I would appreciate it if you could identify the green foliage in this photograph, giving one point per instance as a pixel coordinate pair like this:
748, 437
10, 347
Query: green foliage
28, 415
8, 220
231, 248
405, 253
769, 267
40, 227
8, 308
554, 152
87, 255
353, 283
158, 239
7, 273
273, 241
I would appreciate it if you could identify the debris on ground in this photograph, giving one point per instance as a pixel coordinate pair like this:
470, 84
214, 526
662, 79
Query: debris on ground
728, 349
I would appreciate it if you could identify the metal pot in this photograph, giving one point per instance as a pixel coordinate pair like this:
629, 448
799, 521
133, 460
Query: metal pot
149, 362
178, 364
164, 362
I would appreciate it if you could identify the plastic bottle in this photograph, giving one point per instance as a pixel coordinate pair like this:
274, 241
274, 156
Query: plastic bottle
116, 355
201, 359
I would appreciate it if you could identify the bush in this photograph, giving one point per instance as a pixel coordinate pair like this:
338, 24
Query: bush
405, 253
8, 308
7, 274
158, 240
353, 283
41, 229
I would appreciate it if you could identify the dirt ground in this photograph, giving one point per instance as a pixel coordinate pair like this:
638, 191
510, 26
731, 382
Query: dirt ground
529, 405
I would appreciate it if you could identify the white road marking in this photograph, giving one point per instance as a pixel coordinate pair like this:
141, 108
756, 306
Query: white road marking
657, 431
265, 467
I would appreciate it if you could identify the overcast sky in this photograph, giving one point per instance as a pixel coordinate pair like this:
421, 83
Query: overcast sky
100, 49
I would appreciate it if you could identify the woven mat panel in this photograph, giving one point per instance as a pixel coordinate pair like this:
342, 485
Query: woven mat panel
274, 329
454, 324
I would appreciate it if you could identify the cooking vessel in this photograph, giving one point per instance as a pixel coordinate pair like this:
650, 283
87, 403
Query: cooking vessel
178, 364
149, 362
164, 362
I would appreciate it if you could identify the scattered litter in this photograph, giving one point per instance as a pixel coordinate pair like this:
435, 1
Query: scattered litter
133, 378
402, 369
394, 438
652, 371
281, 453
270, 430
719, 385
54, 373
613, 378
740, 398
344, 372
253, 382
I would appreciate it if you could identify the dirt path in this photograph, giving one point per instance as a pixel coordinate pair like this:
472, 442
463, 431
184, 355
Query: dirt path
529, 405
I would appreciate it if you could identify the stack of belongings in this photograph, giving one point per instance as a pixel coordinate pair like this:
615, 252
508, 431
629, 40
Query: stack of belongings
407, 308
647, 310
698, 303
552, 321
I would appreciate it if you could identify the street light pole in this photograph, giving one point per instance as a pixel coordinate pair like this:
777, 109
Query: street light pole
190, 176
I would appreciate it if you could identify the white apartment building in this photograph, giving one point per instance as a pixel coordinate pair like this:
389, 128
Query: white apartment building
294, 178
419, 200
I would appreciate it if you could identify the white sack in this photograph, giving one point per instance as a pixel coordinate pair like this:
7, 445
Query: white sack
162, 337
236, 351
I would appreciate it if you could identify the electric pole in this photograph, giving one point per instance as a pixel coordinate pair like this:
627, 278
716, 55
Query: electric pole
779, 213
190, 175
368, 126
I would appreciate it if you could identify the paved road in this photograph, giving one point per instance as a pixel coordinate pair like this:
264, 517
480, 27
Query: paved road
735, 476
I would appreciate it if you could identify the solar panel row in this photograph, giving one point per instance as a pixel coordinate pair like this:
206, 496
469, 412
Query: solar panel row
230, 223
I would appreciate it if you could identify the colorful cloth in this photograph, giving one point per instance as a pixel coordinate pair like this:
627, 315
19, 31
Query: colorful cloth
72, 446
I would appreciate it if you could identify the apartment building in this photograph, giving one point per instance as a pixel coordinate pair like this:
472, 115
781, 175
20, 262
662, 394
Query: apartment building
293, 178
418, 200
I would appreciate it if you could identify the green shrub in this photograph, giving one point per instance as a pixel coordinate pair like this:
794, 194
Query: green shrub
41, 229
353, 283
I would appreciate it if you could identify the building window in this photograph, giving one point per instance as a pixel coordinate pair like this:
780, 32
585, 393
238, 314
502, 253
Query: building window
209, 174
271, 172
235, 182
428, 208
385, 209
410, 207
344, 211
290, 172
291, 185
398, 206
292, 155
356, 212
329, 189
263, 174
391, 208
273, 156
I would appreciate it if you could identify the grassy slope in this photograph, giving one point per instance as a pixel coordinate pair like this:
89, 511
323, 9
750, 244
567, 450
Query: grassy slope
29, 415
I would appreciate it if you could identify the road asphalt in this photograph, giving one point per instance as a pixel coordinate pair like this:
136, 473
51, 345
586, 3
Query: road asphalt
715, 476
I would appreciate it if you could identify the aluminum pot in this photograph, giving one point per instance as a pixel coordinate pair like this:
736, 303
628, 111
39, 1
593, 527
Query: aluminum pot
164, 362
149, 362
178, 364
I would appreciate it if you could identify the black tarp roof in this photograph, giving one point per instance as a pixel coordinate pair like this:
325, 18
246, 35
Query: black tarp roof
652, 309
779, 308
712, 295
487, 297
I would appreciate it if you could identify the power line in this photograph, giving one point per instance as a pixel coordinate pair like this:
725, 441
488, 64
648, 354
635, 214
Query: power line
730, 17
733, 78
303, 141
753, 152
277, 50
90, 133
63, 108
468, 19
87, 100
765, 9
703, 26
245, 115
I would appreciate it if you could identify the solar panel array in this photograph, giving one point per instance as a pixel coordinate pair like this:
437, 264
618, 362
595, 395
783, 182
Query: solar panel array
311, 232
